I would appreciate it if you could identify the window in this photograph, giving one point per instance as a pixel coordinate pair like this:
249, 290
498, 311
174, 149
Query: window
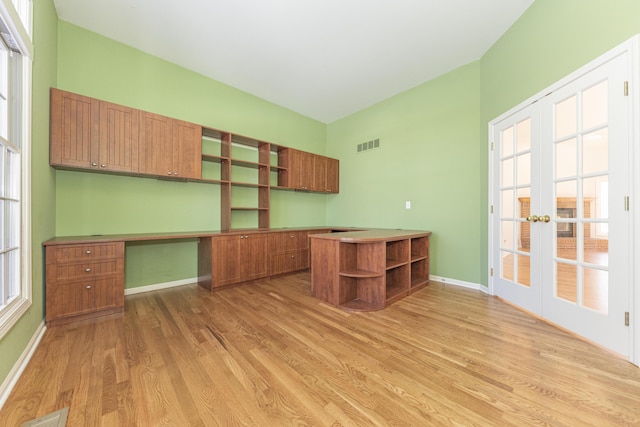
15, 134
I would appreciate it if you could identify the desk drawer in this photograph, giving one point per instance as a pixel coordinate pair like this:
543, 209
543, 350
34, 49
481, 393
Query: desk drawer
89, 252
288, 262
88, 270
76, 298
288, 241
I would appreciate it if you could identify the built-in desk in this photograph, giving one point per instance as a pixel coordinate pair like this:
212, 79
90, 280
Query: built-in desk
85, 274
368, 270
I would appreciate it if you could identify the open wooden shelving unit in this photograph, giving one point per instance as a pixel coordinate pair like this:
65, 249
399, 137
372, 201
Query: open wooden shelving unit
370, 273
242, 163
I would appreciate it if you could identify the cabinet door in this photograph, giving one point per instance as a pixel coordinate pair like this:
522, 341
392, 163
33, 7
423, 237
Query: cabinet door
74, 130
226, 260
156, 147
255, 257
239, 258
118, 137
333, 175
187, 150
319, 173
300, 169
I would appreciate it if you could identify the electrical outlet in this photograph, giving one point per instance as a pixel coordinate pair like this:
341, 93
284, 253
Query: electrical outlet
407, 204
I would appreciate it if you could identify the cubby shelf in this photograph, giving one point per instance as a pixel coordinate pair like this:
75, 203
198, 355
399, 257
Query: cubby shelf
394, 263
360, 273
371, 272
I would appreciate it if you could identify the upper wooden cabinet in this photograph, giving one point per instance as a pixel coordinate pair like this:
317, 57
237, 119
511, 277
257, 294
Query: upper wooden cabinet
301, 167
75, 126
118, 138
308, 171
93, 134
170, 147
326, 173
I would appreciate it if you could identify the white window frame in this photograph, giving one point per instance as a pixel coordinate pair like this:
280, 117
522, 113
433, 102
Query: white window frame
15, 21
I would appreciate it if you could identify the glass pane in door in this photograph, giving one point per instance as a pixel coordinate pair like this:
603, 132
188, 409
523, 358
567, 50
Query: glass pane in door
515, 193
581, 198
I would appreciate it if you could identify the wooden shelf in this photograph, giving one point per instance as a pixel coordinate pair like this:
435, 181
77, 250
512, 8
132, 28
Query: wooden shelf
359, 273
396, 292
394, 263
214, 159
248, 209
212, 181
422, 281
248, 184
415, 258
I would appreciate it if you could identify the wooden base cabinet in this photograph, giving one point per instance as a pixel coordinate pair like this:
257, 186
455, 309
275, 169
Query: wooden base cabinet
84, 281
366, 272
288, 252
226, 260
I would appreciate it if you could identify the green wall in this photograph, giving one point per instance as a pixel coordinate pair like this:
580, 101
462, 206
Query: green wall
42, 180
428, 155
88, 203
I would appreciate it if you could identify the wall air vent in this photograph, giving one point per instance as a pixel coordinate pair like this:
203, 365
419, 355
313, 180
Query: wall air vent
369, 145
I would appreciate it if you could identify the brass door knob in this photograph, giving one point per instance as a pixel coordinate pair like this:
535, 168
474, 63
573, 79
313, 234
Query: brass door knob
545, 218
532, 218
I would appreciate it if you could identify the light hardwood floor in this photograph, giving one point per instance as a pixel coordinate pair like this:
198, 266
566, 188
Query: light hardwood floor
267, 354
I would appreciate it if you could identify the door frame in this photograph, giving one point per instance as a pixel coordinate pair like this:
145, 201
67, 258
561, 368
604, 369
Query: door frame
631, 46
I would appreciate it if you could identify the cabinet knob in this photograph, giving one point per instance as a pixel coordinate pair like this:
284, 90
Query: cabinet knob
94, 164
88, 252
175, 173
103, 166
293, 237
293, 256
169, 173
87, 270
88, 287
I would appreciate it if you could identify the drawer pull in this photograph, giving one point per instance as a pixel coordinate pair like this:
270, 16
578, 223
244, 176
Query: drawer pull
292, 256
88, 286
88, 270
88, 252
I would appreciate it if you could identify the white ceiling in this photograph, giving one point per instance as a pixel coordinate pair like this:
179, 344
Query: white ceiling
324, 59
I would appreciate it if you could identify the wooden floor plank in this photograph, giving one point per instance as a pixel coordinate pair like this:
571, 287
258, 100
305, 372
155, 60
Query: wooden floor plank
268, 354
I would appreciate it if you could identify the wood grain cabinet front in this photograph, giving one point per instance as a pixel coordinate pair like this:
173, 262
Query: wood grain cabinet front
288, 252
226, 260
87, 133
84, 281
170, 147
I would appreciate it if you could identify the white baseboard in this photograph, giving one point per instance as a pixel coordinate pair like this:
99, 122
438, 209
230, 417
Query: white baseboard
21, 364
461, 283
158, 286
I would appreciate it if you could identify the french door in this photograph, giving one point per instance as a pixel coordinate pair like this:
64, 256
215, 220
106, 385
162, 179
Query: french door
561, 239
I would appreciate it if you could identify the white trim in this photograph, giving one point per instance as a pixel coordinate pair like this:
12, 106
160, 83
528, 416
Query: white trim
158, 286
13, 314
10, 16
460, 283
20, 365
634, 292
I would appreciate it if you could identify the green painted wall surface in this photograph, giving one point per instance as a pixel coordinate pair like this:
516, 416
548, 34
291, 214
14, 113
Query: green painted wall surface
87, 203
42, 180
429, 149
552, 39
